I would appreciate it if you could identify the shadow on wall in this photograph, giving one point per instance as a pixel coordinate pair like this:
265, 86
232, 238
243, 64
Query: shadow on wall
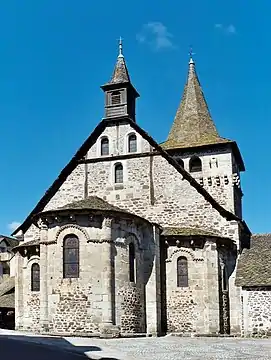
44, 348
7, 319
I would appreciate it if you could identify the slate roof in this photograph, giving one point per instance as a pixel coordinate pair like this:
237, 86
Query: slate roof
9, 240
7, 301
181, 231
7, 285
27, 243
91, 203
193, 124
120, 77
120, 73
7, 288
254, 265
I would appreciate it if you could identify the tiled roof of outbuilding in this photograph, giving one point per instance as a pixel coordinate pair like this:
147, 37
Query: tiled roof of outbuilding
7, 301
34, 242
7, 285
9, 240
253, 268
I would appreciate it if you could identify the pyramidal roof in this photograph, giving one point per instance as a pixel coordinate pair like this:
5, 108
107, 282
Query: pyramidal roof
120, 73
193, 125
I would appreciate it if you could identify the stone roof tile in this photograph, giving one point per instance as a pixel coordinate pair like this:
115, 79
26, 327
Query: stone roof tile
9, 240
34, 242
7, 301
253, 268
181, 231
7, 285
120, 73
91, 203
193, 124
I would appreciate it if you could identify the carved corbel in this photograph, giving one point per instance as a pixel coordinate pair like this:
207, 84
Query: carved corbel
42, 224
58, 219
107, 222
72, 218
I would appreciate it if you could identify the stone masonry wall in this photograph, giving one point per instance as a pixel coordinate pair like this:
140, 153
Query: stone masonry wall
33, 309
30, 300
185, 305
155, 190
194, 308
76, 306
257, 311
181, 307
71, 314
145, 190
133, 310
130, 296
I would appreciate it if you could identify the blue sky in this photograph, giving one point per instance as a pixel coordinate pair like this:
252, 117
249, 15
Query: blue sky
54, 55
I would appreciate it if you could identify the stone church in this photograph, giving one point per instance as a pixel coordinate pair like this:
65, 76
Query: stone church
135, 237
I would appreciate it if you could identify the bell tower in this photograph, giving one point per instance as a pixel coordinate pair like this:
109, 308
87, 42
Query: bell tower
120, 95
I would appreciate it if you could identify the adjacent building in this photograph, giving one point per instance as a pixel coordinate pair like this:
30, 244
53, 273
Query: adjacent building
7, 283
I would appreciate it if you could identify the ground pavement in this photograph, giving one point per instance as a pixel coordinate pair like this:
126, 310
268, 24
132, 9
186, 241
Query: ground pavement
163, 348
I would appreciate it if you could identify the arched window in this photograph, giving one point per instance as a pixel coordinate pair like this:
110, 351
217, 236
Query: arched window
118, 173
180, 162
132, 262
104, 146
195, 164
132, 143
71, 256
182, 272
35, 277
115, 98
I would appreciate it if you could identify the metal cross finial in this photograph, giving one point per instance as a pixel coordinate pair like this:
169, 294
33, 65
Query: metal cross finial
120, 47
191, 53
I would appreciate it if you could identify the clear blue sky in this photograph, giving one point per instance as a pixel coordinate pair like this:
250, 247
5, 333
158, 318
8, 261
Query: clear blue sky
54, 55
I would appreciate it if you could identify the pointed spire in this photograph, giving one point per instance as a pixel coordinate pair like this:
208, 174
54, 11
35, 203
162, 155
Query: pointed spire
120, 74
120, 95
193, 124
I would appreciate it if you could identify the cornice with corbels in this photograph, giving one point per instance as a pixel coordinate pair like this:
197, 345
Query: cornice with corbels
48, 219
218, 180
